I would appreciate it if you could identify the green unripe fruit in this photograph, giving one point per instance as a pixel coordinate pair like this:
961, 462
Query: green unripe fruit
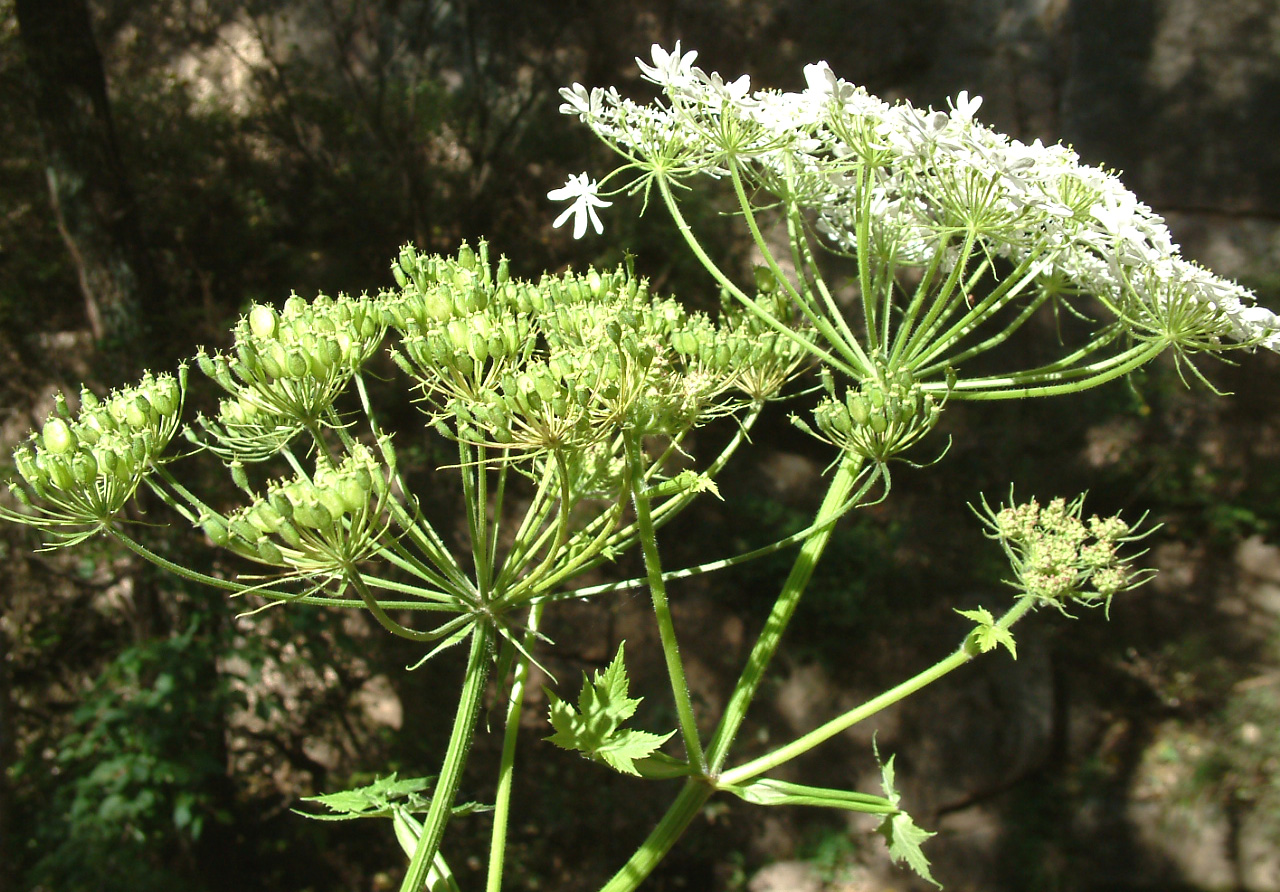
289, 533
304, 514
268, 552
25, 462
140, 446
312, 514
243, 530
332, 501
280, 502
57, 437
216, 530
294, 307
263, 321
878, 423
765, 280
858, 410
265, 518
205, 363
269, 366
91, 427
164, 397
544, 386
138, 413
353, 496
397, 273
84, 468
238, 475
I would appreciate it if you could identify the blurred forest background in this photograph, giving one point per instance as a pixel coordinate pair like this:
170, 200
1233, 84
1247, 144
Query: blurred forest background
164, 163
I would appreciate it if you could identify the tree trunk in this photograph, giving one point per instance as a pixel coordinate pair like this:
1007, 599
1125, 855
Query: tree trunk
95, 209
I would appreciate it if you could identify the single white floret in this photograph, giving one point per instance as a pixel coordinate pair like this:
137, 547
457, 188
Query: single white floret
583, 193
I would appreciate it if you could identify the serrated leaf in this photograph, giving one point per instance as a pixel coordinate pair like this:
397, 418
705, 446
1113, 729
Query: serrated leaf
607, 695
988, 636
905, 839
593, 728
899, 830
372, 800
622, 749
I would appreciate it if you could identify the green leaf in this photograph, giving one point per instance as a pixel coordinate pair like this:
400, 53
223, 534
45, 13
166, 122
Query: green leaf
593, 728
988, 636
622, 749
373, 800
905, 839
900, 832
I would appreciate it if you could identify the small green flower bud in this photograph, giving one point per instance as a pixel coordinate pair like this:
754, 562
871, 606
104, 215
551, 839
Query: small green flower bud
238, 475
397, 273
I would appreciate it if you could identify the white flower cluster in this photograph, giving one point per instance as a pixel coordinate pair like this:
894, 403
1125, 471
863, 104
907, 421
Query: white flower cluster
915, 182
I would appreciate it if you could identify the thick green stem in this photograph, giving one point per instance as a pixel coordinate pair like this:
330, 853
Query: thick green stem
783, 609
506, 770
464, 727
673, 824
662, 611
966, 652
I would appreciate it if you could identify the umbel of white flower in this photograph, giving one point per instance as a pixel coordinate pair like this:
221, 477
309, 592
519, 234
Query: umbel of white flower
960, 232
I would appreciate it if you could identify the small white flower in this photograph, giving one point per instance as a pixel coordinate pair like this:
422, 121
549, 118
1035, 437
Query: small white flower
582, 192
671, 69
965, 107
